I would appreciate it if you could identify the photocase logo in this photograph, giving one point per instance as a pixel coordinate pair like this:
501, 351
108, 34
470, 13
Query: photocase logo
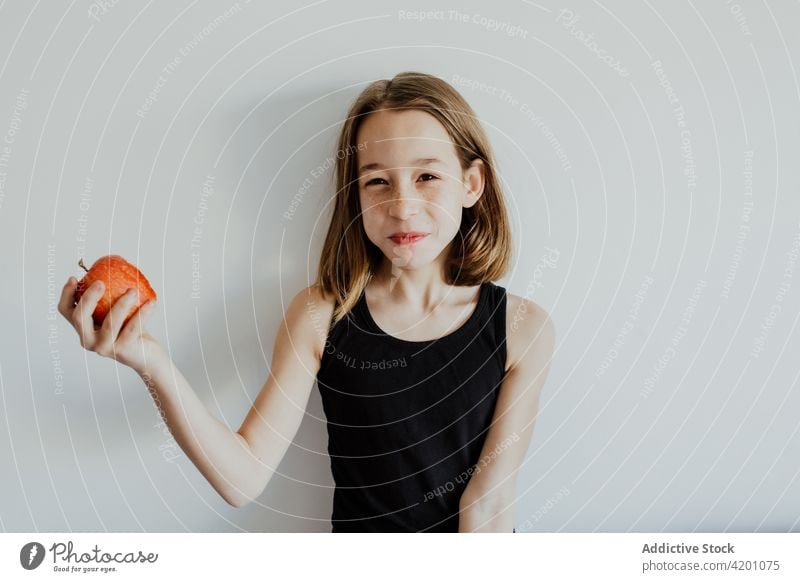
31, 555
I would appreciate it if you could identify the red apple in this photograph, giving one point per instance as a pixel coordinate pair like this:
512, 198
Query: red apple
118, 275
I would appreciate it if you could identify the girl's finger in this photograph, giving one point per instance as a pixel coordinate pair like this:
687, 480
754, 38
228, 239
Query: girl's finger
85, 307
66, 304
135, 326
117, 314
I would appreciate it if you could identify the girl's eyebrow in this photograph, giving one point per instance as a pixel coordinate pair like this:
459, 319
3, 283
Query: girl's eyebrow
417, 162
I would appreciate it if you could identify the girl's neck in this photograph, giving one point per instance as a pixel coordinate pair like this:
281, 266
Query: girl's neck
423, 288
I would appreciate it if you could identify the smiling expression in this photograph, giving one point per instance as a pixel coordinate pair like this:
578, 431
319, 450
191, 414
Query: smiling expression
411, 186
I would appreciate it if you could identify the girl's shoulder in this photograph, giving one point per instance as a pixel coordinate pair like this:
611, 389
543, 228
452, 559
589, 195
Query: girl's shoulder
309, 315
527, 322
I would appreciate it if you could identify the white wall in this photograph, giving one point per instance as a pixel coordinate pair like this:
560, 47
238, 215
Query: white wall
647, 224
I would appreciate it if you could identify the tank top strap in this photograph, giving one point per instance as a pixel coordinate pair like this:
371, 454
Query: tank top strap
497, 313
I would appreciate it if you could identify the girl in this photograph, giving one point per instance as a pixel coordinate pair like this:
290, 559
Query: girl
429, 372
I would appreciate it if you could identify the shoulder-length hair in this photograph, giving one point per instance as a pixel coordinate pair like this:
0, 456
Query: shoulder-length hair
349, 258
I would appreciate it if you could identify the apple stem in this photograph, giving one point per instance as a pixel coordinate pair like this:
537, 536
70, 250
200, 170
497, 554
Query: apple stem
82, 266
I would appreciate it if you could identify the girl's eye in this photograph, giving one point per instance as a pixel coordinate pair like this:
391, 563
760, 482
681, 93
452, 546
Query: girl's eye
375, 180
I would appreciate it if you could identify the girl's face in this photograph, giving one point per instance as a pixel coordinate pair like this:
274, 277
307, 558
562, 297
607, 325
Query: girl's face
410, 181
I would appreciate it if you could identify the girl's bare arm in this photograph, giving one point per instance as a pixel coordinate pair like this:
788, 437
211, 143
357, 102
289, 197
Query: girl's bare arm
278, 410
222, 456
237, 464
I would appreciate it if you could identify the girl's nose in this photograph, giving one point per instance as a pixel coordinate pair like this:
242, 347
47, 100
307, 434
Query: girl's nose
402, 207
404, 203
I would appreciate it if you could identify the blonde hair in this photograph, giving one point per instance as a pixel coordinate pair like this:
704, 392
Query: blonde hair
349, 258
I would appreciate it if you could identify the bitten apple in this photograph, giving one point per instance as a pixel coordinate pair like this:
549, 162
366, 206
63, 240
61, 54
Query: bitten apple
118, 275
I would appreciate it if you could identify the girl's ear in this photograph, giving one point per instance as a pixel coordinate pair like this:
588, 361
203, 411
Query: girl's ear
474, 180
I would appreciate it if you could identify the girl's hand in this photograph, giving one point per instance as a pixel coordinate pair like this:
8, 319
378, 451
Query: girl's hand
131, 345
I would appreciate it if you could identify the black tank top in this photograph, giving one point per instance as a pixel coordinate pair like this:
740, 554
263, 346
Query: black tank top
407, 419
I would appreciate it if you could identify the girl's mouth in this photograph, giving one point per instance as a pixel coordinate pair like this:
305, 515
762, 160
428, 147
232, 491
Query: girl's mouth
407, 239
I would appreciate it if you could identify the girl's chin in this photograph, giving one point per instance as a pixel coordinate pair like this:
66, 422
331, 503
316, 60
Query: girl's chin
401, 255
